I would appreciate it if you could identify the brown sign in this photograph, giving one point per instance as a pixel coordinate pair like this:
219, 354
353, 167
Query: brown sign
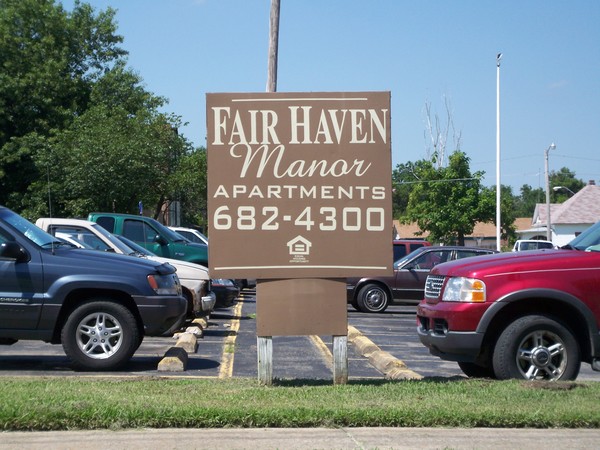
299, 185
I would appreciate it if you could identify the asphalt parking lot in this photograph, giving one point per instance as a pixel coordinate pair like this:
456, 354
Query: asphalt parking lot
228, 349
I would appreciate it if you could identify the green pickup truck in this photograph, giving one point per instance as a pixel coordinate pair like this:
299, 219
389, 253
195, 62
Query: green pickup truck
153, 235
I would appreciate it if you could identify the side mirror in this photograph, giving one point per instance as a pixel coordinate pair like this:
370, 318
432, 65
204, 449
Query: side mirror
12, 250
160, 240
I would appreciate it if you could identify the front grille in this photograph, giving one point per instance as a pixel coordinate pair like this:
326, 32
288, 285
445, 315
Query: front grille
433, 286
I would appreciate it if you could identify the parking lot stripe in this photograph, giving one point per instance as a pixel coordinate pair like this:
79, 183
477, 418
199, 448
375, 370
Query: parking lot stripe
226, 369
324, 350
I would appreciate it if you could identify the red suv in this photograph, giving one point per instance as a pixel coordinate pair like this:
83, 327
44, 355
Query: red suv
530, 315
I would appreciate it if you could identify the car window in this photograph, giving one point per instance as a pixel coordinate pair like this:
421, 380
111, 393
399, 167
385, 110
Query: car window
108, 223
29, 230
429, 260
189, 236
466, 253
81, 235
413, 247
138, 231
4, 239
399, 252
588, 238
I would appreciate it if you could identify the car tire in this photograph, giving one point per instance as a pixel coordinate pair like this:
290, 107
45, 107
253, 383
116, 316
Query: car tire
100, 335
372, 298
537, 347
473, 370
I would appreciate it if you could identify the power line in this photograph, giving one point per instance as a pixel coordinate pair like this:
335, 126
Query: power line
438, 181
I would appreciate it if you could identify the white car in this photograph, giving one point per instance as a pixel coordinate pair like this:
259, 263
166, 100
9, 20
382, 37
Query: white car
531, 244
194, 278
194, 235
191, 234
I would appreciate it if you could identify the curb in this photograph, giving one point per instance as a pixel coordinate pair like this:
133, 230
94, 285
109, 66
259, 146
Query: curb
390, 366
176, 358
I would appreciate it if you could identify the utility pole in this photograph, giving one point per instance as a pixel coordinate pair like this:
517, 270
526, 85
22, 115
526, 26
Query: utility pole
273, 47
264, 344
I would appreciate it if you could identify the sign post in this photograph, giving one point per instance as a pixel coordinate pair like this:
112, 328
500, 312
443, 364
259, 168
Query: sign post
299, 197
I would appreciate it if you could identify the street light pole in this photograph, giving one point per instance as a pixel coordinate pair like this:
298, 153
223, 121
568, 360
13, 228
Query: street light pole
548, 224
559, 188
498, 197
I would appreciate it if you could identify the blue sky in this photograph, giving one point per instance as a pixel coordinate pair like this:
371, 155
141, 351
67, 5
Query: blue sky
424, 52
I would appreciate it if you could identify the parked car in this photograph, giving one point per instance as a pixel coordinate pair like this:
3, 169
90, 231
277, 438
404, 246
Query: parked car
152, 235
98, 305
194, 235
191, 234
85, 234
226, 291
406, 285
531, 244
532, 315
403, 247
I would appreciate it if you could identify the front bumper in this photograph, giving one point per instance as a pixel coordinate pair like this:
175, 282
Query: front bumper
226, 295
452, 346
161, 315
205, 304
448, 330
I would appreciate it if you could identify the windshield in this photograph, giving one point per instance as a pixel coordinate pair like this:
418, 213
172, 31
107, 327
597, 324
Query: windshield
134, 248
117, 243
29, 230
165, 231
408, 257
588, 238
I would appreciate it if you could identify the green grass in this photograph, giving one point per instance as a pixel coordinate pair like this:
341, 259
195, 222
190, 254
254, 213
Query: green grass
94, 403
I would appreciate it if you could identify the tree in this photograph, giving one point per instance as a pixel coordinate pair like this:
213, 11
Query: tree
49, 61
403, 179
566, 179
525, 204
109, 160
507, 210
191, 182
446, 201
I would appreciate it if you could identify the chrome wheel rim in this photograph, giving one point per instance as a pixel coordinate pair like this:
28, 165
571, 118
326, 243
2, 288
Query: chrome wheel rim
99, 335
542, 356
375, 299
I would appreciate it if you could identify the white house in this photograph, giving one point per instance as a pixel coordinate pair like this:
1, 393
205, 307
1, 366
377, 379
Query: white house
567, 219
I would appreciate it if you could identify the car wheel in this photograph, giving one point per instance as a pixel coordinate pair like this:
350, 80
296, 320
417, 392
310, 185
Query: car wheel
537, 348
372, 298
100, 335
473, 370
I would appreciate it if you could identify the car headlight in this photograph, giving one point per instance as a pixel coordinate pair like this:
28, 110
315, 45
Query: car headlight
222, 282
165, 284
460, 289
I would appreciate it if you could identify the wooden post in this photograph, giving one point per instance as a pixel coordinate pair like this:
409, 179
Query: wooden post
273, 47
264, 350
340, 359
